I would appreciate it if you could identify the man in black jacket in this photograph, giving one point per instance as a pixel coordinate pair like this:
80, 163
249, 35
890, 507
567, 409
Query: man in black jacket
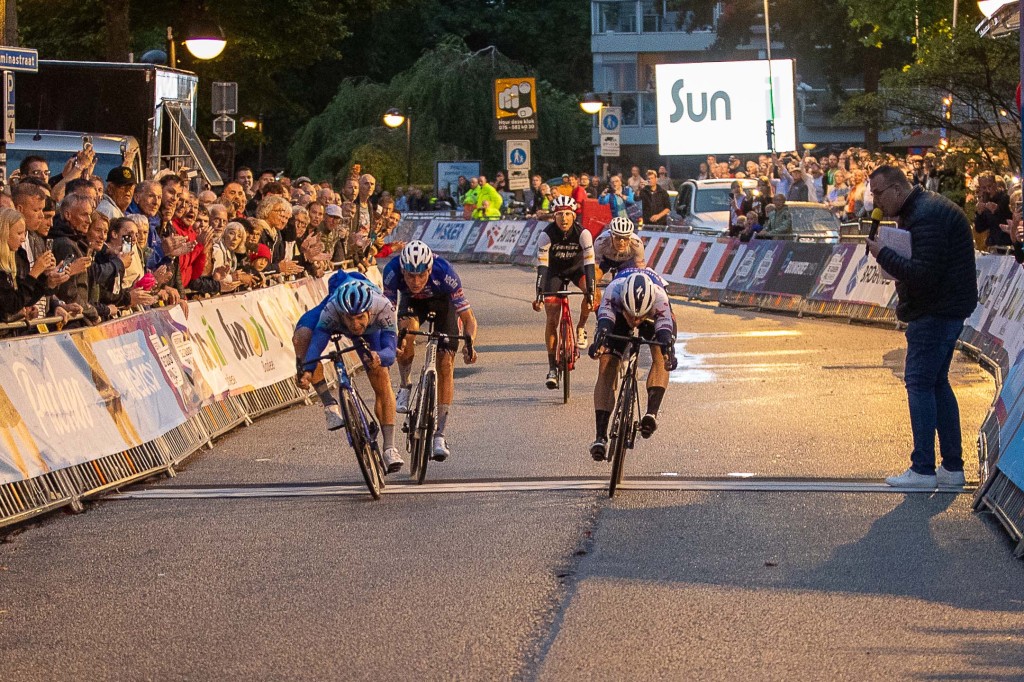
938, 290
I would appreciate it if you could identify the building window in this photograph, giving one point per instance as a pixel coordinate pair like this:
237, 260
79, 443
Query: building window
615, 73
616, 16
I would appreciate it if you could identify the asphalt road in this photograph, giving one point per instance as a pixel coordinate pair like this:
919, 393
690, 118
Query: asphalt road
552, 584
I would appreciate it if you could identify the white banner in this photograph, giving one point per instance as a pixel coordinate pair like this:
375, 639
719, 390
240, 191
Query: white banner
864, 281
500, 236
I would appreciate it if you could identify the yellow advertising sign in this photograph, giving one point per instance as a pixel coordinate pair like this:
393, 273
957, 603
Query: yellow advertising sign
515, 108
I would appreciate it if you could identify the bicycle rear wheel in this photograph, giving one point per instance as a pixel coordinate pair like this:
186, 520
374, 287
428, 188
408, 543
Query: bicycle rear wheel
368, 463
622, 426
425, 424
412, 432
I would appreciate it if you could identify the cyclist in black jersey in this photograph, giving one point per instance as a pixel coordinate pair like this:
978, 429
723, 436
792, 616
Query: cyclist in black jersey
565, 253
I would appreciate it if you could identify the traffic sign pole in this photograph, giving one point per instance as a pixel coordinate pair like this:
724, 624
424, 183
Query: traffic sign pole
8, 121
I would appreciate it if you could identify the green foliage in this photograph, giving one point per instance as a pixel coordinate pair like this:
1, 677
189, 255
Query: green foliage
449, 92
981, 75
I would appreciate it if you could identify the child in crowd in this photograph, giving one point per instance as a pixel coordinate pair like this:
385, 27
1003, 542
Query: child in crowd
258, 262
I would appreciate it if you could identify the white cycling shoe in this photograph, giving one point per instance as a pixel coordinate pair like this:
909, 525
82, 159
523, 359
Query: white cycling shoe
402, 400
440, 451
392, 460
335, 419
581, 337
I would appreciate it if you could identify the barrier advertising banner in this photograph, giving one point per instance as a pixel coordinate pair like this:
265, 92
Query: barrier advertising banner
830, 279
56, 411
1010, 413
446, 236
756, 265
499, 236
797, 270
863, 281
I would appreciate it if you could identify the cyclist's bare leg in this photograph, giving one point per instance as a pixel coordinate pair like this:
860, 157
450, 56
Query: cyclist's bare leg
407, 351
384, 403
553, 310
604, 391
657, 381
445, 388
584, 308
598, 276
300, 342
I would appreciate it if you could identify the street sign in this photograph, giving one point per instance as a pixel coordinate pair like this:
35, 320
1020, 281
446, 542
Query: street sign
517, 159
8, 107
225, 98
19, 59
611, 123
611, 120
515, 108
223, 126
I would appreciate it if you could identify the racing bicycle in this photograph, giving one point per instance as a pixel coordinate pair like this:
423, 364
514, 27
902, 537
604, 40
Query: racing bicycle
361, 426
422, 416
625, 423
566, 350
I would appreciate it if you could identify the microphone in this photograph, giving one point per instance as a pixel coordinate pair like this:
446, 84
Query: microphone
876, 217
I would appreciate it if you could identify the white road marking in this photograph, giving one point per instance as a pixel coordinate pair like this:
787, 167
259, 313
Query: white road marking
404, 488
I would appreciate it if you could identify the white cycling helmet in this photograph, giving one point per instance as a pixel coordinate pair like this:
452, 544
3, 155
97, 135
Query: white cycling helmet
621, 227
638, 295
563, 203
416, 258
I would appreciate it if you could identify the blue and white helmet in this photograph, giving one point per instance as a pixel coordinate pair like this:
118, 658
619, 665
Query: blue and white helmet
638, 295
416, 258
353, 297
621, 227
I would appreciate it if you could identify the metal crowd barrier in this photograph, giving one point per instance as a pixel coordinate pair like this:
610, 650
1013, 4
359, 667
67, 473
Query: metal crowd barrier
68, 487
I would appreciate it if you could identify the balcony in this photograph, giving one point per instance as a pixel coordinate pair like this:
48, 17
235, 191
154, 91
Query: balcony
653, 25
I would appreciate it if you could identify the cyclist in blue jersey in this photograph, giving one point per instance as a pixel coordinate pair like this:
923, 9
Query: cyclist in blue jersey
420, 283
300, 342
359, 311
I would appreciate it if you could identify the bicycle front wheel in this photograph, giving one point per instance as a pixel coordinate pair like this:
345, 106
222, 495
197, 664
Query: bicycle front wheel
565, 359
368, 465
425, 424
622, 426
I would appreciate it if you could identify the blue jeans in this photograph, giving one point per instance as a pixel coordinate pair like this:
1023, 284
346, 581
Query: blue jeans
933, 407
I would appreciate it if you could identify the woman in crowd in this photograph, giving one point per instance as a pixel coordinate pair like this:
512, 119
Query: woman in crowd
839, 195
857, 195
21, 286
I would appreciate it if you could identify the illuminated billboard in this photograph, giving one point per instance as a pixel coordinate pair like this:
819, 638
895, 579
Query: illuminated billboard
721, 107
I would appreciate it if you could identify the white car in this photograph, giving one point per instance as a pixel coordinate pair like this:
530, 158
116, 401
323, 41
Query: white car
702, 206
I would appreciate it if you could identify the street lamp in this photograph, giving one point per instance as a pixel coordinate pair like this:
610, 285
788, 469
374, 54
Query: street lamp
256, 124
205, 40
394, 118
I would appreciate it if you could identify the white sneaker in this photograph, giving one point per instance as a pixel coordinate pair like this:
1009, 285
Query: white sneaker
335, 419
581, 337
911, 479
440, 451
392, 460
949, 479
402, 400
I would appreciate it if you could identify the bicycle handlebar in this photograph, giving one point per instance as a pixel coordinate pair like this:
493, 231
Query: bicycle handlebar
633, 339
564, 293
437, 335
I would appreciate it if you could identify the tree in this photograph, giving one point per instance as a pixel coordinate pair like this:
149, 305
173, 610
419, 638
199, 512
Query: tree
979, 74
449, 91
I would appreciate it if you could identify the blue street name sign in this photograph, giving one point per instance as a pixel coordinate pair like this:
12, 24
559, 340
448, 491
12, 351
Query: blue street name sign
19, 59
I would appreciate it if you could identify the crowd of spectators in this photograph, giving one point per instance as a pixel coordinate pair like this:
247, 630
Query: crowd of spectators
75, 250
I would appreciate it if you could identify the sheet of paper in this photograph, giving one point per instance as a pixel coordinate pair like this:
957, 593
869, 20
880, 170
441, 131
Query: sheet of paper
896, 239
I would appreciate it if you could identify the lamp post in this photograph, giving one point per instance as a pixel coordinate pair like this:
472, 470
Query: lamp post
393, 119
592, 104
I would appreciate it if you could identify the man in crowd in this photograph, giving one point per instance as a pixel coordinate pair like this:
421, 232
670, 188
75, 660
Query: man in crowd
937, 289
655, 201
243, 176
120, 189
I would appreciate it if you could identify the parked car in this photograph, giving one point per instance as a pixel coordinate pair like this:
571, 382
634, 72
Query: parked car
703, 205
813, 223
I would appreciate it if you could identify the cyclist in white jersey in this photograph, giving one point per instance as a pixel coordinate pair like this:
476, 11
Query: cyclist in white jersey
631, 302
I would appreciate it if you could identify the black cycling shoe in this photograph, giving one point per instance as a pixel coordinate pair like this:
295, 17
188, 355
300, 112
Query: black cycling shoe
648, 425
599, 449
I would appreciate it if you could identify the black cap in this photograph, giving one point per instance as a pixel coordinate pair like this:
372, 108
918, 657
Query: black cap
122, 175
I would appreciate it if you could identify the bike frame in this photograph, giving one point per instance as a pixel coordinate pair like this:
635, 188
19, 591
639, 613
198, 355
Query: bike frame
624, 415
